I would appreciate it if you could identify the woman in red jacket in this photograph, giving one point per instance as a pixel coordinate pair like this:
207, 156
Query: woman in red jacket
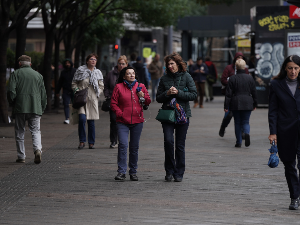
126, 102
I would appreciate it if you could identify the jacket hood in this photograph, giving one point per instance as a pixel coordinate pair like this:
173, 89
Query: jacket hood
237, 55
66, 61
208, 63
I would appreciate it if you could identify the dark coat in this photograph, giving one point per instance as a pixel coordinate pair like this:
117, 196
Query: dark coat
284, 114
141, 73
230, 69
199, 77
186, 90
240, 92
66, 78
110, 82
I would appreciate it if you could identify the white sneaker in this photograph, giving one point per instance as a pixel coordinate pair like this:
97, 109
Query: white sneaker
66, 121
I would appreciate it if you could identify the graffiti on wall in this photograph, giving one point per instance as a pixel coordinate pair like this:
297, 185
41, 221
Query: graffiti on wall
276, 23
271, 58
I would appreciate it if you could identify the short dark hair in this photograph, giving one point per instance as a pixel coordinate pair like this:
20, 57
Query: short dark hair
123, 72
90, 56
207, 58
199, 58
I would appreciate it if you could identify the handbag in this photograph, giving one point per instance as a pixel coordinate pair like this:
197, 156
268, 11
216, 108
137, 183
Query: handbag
106, 105
166, 116
80, 98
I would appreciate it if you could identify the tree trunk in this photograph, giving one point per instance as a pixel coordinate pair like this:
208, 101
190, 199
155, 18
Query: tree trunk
99, 52
56, 71
83, 57
3, 62
47, 70
21, 32
77, 55
68, 46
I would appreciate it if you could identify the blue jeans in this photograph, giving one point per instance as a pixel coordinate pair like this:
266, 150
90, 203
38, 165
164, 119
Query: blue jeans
66, 101
135, 134
154, 84
175, 165
241, 123
81, 129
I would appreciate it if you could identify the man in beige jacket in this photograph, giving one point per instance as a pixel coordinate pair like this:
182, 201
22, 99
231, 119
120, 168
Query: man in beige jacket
156, 71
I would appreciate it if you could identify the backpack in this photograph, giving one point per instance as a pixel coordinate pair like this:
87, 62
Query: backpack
211, 76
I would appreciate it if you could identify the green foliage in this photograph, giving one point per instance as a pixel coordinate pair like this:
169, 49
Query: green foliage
10, 56
216, 2
36, 59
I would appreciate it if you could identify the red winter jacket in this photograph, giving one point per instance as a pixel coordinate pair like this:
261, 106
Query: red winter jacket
125, 103
230, 69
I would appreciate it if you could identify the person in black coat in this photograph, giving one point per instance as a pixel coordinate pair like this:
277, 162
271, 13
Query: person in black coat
240, 98
65, 82
284, 117
141, 71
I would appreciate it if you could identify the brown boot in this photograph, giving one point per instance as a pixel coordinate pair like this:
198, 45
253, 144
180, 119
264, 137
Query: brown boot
195, 105
201, 106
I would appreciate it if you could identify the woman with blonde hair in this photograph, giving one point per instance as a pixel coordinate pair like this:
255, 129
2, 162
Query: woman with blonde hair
177, 84
109, 85
87, 76
240, 98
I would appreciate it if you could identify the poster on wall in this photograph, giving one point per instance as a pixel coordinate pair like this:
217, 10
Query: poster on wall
293, 43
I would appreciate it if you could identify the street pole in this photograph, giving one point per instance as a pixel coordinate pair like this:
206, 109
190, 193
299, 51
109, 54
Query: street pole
170, 39
118, 42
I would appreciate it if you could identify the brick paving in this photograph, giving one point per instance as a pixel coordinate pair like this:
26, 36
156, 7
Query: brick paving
222, 184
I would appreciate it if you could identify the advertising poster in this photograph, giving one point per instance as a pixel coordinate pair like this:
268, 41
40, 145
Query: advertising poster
293, 43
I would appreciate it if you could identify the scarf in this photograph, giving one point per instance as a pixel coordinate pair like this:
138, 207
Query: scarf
83, 72
130, 86
180, 114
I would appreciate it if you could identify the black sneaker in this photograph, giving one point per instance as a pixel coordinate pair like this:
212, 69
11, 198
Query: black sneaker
177, 179
247, 140
120, 176
38, 157
238, 145
222, 131
169, 177
134, 177
294, 204
20, 160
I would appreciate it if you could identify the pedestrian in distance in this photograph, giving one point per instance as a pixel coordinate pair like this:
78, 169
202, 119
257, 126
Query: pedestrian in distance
126, 103
65, 83
27, 95
212, 72
199, 72
229, 71
241, 99
284, 114
156, 70
190, 63
176, 83
141, 71
109, 85
87, 76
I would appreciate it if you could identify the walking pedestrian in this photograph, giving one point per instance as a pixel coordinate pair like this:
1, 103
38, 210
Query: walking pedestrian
126, 104
65, 82
229, 71
141, 71
284, 114
27, 95
109, 85
156, 70
212, 77
199, 72
176, 83
87, 76
241, 99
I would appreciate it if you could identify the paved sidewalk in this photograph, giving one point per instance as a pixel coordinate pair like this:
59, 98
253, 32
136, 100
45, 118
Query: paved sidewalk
222, 184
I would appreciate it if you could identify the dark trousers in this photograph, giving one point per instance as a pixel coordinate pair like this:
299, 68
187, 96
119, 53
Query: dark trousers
175, 165
201, 91
113, 127
81, 129
66, 101
291, 175
135, 134
227, 118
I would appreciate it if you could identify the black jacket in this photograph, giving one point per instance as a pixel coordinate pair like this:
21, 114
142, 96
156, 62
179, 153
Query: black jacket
141, 73
185, 85
65, 79
240, 92
110, 82
284, 117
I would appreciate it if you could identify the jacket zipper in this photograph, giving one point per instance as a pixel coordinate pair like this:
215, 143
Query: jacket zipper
131, 107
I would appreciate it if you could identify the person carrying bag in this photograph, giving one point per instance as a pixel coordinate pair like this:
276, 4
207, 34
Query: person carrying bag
175, 90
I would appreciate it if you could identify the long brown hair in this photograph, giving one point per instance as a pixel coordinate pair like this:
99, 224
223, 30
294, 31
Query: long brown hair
282, 74
178, 60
